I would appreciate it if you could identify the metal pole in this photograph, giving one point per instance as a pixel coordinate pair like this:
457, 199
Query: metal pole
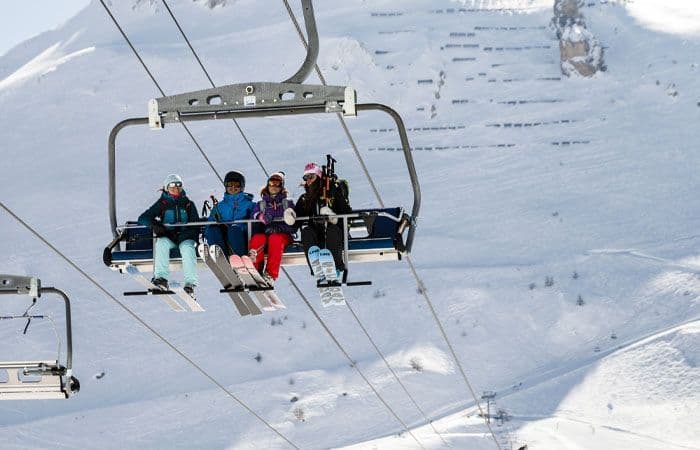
409, 163
312, 48
111, 170
69, 328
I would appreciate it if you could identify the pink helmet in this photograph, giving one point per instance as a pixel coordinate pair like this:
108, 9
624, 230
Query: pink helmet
312, 168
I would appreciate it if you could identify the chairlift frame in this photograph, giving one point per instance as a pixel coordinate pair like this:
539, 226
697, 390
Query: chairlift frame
269, 99
55, 381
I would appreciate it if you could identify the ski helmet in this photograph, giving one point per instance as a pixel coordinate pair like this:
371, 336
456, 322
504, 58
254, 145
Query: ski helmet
235, 176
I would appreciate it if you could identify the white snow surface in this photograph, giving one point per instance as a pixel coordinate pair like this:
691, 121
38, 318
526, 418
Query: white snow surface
538, 192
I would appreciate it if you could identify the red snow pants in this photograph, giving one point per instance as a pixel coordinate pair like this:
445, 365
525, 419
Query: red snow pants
275, 243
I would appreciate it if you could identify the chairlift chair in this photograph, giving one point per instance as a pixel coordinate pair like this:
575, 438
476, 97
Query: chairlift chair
382, 234
34, 379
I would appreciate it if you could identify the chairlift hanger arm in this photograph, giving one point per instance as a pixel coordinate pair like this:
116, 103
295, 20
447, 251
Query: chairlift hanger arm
312, 47
261, 97
69, 328
112, 167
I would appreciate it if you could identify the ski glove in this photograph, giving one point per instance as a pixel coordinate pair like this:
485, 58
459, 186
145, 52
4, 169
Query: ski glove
290, 216
265, 218
327, 211
159, 229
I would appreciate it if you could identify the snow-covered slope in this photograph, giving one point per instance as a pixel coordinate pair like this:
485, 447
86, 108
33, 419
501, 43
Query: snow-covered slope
539, 193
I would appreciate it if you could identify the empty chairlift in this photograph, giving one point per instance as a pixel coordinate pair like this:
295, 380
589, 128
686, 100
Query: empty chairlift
36, 379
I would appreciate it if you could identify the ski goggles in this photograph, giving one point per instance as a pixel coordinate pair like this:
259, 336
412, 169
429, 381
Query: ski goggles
274, 182
236, 184
309, 176
175, 184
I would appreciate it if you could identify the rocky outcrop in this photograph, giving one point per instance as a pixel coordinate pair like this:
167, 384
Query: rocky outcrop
580, 52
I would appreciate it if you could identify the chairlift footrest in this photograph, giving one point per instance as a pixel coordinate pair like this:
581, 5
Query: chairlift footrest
358, 283
150, 292
247, 289
328, 284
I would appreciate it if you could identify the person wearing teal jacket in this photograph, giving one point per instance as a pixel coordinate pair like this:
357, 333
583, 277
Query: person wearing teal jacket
173, 207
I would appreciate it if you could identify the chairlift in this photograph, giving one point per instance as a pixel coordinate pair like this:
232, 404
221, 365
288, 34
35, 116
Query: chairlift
37, 379
378, 234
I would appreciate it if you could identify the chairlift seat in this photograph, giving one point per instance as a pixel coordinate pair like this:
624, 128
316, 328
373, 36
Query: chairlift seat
381, 243
33, 380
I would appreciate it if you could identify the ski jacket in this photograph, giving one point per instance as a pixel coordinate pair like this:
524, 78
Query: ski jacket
274, 207
310, 203
233, 207
172, 210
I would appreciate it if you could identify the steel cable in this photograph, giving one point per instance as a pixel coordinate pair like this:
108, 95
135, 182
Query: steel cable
420, 283
143, 323
353, 364
133, 49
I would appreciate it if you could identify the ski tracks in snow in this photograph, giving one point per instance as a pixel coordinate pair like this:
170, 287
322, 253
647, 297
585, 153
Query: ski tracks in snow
693, 268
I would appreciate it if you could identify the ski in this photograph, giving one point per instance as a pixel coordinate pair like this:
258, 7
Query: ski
334, 291
250, 282
250, 267
206, 253
315, 263
189, 299
326, 278
270, 294
151, 289
275, 300
231, 280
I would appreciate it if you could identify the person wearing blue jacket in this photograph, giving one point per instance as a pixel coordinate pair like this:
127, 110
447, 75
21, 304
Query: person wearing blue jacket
236, 205
173, 207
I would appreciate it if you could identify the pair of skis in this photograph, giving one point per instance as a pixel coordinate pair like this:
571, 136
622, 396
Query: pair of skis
327, 282
239, 279
169, 296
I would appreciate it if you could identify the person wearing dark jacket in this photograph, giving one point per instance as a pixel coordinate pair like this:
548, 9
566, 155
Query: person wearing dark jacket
277, 234
173, 207
236, 205
324, 233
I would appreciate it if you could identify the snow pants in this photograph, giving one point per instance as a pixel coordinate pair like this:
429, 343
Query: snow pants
189, 259
275, 243
331, 238
237, 238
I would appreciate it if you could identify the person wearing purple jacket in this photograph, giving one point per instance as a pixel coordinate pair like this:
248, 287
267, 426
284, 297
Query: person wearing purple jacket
277, 234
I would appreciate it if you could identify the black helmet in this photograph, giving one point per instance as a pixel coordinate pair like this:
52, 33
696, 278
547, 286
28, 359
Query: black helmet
235, 176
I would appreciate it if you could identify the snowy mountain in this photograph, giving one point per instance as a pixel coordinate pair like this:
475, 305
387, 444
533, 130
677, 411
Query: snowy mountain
557, 237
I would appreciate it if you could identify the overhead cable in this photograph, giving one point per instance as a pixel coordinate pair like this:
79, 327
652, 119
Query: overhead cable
354, 365
143, 323
420, 283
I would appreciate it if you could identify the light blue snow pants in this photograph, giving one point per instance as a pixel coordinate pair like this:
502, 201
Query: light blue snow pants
189, 259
